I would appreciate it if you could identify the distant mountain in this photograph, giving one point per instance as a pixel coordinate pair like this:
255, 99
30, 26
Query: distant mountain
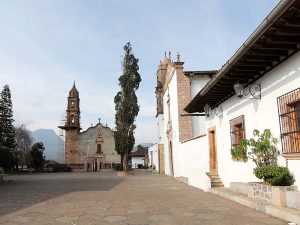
51, 141
145, 145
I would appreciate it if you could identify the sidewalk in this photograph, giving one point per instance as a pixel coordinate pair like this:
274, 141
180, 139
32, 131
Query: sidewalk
106, 199
288, 214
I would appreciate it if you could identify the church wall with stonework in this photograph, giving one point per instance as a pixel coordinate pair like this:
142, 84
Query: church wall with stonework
87, 144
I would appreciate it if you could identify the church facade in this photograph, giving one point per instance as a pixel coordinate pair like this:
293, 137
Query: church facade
89, 150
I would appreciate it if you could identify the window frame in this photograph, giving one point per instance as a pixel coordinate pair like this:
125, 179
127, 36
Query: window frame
240, 120
288, 106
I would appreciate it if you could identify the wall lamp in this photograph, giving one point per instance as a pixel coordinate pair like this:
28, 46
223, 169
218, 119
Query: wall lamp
254, 90
209, 112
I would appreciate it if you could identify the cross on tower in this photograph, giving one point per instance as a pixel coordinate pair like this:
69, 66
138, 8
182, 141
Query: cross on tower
99, 120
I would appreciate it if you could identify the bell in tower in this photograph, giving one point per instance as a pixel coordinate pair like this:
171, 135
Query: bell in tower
72, 127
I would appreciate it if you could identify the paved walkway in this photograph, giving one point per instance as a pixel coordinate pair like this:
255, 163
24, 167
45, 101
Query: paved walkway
104, 198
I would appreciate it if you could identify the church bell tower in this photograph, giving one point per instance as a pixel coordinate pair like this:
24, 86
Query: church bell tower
72, 127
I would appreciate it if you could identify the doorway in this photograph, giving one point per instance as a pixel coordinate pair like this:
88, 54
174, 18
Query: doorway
95, 166
213, 164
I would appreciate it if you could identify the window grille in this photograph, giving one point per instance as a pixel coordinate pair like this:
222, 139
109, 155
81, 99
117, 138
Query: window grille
237, 130
289, 120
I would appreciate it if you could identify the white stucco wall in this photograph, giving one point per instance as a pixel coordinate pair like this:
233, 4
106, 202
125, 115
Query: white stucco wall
161, 128
259, 114
153, 158
172, 92
135, 161
198, 123
195, 162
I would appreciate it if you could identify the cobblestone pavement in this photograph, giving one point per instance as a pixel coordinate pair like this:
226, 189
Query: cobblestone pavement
104, 198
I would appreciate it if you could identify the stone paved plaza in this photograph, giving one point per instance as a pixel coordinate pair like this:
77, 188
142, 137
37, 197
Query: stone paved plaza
105, 198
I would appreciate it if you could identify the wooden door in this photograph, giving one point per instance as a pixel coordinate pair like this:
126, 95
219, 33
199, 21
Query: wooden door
171, 159
213, 166
161, 159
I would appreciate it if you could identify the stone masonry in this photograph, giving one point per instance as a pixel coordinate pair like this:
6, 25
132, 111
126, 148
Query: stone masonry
184, 97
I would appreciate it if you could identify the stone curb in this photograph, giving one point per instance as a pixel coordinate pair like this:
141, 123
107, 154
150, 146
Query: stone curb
287, 214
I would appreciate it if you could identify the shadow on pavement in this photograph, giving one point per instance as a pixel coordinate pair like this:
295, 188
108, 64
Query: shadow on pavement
27, 190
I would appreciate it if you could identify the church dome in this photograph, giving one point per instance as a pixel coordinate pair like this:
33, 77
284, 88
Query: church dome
73, 92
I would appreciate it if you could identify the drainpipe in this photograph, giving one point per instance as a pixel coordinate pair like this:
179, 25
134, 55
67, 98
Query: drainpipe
264, 26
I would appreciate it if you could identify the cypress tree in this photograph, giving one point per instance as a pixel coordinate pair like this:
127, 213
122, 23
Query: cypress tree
126, 105
7, 140
37, 156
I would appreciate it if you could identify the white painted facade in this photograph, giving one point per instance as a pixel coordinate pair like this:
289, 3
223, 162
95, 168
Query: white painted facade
153, 157
259, 114
191, 158
136, 161
171, 95
198, 123
160, 128
278, 75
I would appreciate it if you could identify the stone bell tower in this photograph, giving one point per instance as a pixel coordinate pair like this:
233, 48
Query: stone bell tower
72, 127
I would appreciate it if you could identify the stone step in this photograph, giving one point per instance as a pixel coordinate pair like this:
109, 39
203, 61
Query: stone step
215, 179
218, 179
218, 184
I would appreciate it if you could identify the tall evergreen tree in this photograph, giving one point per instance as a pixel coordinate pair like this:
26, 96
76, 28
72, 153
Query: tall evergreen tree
7, 139
126, 105
1, 125
37, 156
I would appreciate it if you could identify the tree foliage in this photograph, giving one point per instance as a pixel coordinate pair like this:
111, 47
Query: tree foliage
126, 105
23, 145
263, 150
7, 131
6, 159
37, 156
6, 120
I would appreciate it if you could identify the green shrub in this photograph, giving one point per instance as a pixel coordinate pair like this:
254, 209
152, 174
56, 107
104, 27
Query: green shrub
239, 153
118, 167
262, 149
275, 175
61, 168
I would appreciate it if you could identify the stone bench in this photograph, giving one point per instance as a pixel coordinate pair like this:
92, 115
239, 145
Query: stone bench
293, 199
239, 187
276, 195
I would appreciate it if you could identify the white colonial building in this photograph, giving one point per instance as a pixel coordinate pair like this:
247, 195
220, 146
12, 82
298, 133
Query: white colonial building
153, 157
202, 114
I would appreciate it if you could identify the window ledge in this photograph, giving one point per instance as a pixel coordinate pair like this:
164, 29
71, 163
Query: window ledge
238, 160
291, 156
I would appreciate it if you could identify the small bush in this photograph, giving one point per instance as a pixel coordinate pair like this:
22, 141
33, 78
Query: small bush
61, 168
239, 153
118, 167
275, 175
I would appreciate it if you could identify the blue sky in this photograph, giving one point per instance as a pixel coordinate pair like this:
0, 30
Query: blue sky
46, 45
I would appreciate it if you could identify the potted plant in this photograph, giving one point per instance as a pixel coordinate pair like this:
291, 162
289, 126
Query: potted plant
262, 150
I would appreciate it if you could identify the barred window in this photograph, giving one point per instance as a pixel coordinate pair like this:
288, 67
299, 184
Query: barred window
237, 130
289, 119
